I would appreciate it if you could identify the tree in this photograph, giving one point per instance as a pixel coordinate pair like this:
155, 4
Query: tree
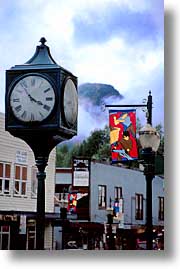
61, 155
97, 146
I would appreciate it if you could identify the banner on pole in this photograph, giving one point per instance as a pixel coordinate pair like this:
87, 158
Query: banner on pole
122, 124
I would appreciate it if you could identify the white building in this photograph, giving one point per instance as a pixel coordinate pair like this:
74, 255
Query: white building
18, 193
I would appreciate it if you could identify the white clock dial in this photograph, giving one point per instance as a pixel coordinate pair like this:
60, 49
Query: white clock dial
32, 99
70, 102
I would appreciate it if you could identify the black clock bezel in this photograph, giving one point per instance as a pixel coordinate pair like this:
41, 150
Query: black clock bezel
13, 84
69, 124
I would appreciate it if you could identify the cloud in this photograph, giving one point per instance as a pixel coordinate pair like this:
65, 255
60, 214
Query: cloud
117, 42
98, 26
90, 117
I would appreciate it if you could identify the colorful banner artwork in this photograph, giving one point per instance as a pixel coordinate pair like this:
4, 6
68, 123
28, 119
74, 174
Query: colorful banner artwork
72, 203
122, 124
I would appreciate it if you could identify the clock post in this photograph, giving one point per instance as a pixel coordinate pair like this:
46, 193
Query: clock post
41, 108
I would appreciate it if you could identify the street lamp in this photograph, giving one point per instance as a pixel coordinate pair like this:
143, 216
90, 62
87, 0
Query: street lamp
149, 140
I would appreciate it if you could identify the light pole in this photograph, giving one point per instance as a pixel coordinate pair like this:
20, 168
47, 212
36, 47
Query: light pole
110, 222
149, 140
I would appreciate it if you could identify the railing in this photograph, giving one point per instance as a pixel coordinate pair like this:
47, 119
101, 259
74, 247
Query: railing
61, 198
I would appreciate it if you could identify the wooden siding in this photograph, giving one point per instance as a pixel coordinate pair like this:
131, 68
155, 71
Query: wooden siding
48, 240
8, 148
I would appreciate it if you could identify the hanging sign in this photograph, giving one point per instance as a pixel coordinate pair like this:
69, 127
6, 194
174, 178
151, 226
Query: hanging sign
122, 124
81, 168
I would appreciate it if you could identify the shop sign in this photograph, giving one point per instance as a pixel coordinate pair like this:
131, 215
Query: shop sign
8, 217
81, 172
21, 157
81, 178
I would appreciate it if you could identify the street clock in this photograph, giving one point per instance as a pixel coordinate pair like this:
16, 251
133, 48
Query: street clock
70, 102
41, 106
41, 96
32, 98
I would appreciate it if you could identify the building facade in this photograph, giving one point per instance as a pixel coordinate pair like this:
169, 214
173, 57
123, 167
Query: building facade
18, 193
112, 187
120, 192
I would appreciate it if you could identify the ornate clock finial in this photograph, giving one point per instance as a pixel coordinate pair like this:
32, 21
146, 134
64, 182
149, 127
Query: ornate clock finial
42, 55
43, 40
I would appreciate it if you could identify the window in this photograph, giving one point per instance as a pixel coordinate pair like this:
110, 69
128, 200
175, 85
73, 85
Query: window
20, 180
34, 182
161, 208
5, 237
102, 196
31, 234
117, 193
139, 206
5, 174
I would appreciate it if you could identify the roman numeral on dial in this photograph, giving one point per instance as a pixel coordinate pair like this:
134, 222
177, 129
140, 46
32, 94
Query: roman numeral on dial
48, 89
32, 117
33, 82
49, 98
16, 100
24, 114
18, 108
46, 107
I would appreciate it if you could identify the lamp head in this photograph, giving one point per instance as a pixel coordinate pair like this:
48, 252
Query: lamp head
149, 137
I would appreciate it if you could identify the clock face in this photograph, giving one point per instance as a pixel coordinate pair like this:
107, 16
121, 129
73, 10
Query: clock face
32, 99
70, 102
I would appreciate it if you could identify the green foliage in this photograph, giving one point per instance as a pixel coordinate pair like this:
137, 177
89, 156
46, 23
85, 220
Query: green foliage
159, 165
97, 146
159, 129
62, 156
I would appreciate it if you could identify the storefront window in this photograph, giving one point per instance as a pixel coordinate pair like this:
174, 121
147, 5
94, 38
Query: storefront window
117, 193
139, 206
20, 180
5, 237
161, 208
102, 196
31, 234
5, 174
34, 182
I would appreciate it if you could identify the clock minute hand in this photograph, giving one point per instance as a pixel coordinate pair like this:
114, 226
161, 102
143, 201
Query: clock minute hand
26, 90
31, 98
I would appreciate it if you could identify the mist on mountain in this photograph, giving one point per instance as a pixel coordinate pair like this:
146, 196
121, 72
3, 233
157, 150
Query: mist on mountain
91, 114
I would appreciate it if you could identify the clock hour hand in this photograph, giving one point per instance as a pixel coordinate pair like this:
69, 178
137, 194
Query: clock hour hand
39, 103
34, 100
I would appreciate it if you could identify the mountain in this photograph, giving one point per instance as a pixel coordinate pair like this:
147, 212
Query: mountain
91, 116
97, 92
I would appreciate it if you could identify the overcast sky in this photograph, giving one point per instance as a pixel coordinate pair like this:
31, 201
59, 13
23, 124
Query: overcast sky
117, 42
